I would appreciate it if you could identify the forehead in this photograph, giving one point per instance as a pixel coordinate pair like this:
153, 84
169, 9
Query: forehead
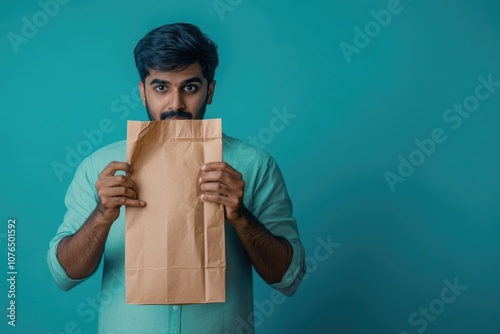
177, 76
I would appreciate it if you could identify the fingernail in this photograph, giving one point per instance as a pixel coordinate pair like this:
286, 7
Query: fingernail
199, 180
203, 167
143, 203
202, 197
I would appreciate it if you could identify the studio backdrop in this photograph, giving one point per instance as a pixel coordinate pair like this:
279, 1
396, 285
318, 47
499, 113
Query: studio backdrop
382, 115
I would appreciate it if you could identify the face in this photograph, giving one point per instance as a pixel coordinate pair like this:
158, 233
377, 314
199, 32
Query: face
176, 94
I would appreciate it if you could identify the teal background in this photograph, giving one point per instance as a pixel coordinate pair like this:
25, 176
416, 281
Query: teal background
352, 122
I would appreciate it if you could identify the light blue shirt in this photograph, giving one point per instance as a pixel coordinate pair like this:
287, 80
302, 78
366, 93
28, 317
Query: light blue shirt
265, 196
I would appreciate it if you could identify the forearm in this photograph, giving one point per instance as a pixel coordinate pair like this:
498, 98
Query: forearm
270, 255
80, 253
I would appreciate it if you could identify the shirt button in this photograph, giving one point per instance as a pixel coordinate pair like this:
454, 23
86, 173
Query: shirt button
176, 308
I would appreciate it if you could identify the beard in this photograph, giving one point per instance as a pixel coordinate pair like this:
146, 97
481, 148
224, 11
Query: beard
180, 113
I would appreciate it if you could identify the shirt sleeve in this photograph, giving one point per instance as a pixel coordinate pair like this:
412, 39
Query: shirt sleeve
80, 201
273, 208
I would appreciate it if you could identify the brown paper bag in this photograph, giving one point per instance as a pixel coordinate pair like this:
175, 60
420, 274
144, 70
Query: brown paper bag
175, 246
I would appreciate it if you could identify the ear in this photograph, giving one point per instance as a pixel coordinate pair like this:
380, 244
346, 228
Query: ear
143, 93
210, 93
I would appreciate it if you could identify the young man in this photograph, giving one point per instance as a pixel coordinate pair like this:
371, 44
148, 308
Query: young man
176, 65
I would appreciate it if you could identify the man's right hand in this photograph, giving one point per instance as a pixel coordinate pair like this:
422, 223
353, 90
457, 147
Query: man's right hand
114, 191
81, 252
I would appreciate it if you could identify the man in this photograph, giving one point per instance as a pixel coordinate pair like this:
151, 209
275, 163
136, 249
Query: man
176, 65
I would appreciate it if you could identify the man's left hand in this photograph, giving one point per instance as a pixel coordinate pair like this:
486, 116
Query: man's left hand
220, 183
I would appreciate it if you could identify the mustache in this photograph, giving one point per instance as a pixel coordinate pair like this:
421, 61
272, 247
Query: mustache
175, 113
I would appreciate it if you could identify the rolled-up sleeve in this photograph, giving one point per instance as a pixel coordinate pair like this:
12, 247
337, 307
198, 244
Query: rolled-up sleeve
81, 200
273, 207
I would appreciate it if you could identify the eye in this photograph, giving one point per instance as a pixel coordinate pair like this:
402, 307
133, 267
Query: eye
160, 88
191, 88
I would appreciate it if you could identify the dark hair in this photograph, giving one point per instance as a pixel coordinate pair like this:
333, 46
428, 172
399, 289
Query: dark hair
175, 47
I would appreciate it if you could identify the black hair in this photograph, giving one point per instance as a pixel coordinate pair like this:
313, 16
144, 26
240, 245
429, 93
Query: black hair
175, 47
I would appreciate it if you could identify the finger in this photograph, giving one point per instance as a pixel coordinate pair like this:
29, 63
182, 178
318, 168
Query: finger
114, 166
118, 192
219, 165
119, 201
236, 188
216, 187
135, 203
217, 175
219, 199
116, 181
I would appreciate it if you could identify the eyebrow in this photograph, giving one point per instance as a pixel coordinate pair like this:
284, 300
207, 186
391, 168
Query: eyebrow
185, 82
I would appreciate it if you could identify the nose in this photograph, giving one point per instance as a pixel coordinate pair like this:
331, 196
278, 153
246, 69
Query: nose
177, 101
